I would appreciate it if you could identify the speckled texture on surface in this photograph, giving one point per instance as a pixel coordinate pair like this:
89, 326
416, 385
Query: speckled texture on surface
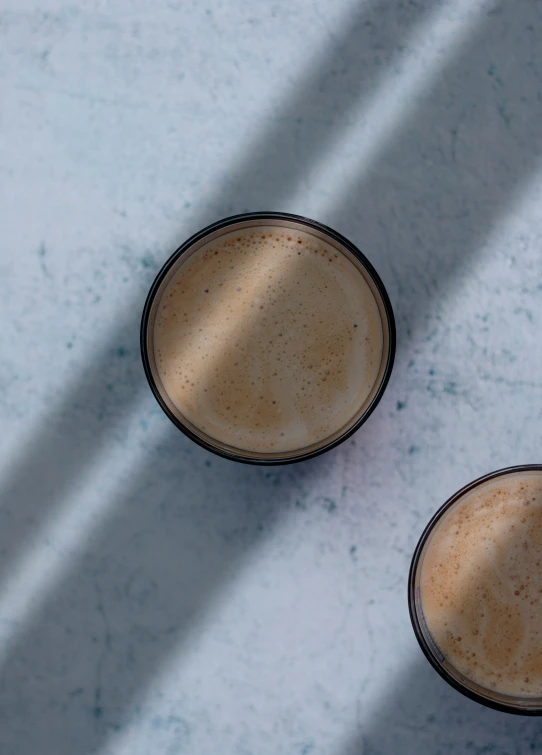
155, 598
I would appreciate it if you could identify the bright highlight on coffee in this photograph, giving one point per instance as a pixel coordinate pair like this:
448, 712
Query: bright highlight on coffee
476, 590
268, 339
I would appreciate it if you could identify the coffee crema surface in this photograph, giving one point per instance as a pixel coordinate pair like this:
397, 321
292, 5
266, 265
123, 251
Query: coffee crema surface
481, 585
268, 339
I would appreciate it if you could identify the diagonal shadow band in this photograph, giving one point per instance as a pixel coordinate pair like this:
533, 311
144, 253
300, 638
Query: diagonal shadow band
139, 586
427, 203
94, 407
422, 714
136, 593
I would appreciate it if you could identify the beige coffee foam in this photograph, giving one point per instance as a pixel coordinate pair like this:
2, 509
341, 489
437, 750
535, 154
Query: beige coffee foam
481, 586
268, 339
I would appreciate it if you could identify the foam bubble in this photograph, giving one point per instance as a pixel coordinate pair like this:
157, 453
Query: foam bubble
481, 585
269, 338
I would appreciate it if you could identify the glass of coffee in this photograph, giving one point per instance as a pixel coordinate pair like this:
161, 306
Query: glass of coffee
475, 590
268, 338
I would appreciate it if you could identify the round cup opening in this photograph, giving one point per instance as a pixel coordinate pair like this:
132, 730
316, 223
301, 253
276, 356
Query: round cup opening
241, 223
490, 697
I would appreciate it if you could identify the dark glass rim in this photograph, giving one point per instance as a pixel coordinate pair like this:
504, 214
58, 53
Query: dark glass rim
426, 648
390, 322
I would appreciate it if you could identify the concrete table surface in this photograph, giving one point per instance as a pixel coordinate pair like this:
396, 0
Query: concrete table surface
155, 598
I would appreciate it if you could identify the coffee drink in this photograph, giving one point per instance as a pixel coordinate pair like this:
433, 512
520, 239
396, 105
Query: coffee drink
268, 339
480, 580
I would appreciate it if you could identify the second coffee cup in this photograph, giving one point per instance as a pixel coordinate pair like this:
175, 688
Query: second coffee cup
475, 590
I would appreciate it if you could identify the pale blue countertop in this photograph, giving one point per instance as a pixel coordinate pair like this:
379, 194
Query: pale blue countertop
157, 599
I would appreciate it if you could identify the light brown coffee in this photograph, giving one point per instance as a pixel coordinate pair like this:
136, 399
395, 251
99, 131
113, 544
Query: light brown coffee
268, 339
481, 585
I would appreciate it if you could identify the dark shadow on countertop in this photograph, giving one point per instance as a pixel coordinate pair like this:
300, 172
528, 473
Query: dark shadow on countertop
422, 715
185, 522
94, 407
430, 199
138, 590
